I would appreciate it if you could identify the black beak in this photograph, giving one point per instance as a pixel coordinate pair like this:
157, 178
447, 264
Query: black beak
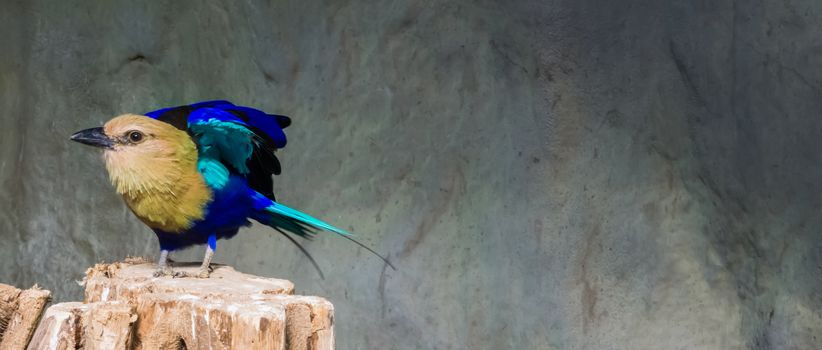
93, 137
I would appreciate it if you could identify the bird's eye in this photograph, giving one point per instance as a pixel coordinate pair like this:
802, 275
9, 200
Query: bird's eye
135, 136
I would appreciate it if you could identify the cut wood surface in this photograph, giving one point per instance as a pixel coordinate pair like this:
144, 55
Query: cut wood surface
60, 328
20, 312
125, 281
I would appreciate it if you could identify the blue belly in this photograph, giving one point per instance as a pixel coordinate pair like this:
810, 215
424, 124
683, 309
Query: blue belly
227, 212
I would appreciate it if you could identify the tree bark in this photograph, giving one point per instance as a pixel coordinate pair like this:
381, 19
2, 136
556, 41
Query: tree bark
19, 313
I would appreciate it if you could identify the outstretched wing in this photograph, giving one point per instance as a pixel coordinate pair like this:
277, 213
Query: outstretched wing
240, 138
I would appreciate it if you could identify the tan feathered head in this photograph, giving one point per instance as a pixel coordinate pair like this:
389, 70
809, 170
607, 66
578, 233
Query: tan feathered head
142, 152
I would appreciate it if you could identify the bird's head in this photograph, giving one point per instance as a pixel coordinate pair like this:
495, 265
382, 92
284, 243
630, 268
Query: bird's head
139, 149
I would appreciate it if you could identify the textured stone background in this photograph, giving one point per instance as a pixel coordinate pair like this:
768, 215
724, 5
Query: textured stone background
546, 174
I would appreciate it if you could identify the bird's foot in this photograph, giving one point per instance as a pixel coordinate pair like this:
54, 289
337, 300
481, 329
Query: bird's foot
164, 271
202, 273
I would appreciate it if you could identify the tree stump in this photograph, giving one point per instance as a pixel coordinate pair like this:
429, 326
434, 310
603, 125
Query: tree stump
19, 313
127, 308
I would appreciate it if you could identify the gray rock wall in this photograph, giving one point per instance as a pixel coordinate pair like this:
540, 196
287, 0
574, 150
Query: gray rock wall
546, 174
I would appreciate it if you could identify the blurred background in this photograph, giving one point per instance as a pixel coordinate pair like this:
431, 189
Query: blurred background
558, 174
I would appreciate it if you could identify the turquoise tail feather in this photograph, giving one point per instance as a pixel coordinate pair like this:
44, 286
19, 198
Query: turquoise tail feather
281, 217
284, 211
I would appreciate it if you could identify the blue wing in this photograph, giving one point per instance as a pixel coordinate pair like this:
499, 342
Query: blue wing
268, 126
243, 139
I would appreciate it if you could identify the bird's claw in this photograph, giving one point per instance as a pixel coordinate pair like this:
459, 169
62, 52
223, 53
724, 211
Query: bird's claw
202, 273
163, 271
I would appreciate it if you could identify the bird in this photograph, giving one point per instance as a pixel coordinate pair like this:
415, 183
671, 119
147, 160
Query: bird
197, 173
